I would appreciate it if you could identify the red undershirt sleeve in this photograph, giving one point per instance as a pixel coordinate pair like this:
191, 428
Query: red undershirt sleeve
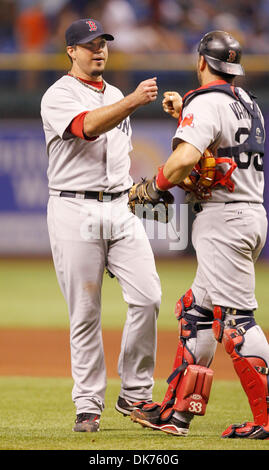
76, 127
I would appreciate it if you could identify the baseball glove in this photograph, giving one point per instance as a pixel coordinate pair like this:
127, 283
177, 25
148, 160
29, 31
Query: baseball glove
202, 177
148, 202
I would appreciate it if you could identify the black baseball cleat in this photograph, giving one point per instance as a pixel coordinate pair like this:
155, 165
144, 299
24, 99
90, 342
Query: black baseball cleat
246, 430
152, 419
147, 416
87, 422
126, 407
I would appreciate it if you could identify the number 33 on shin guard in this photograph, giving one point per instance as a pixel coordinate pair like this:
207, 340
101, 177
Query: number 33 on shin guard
194, 389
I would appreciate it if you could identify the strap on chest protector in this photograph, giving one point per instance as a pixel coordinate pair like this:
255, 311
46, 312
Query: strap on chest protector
256, 135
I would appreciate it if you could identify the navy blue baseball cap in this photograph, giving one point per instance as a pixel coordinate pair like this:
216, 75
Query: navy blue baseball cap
84, 31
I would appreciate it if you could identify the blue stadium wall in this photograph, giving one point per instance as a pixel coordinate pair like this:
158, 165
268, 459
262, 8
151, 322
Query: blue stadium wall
24, 191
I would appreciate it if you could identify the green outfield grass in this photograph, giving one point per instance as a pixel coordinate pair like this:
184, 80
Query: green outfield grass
37, 414
30, 295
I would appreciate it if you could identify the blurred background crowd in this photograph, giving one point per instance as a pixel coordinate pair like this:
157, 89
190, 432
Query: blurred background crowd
152, 38
138, 25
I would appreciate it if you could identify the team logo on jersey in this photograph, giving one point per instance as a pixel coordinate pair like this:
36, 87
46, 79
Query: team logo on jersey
124, 126
92, 25
232, 56
187, 121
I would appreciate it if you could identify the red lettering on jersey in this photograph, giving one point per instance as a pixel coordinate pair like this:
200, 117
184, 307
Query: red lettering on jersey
187, 121
92, 25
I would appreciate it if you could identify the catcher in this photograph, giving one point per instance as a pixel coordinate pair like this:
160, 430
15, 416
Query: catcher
217, 159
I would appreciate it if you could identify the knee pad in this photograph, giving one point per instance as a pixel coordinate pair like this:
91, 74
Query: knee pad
187, 322
185, 303
194, 389
218, 323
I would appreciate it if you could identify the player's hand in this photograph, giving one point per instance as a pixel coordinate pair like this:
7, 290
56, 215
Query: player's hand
172, 103
147, 91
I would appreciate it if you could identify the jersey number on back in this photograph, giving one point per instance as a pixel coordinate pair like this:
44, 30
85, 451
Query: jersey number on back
244, 164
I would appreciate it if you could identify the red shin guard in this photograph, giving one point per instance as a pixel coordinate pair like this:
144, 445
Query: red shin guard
253, 375
183, 356
182, 359
194, 389
189, 384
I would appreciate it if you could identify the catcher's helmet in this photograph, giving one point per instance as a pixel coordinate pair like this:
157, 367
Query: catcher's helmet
222, 52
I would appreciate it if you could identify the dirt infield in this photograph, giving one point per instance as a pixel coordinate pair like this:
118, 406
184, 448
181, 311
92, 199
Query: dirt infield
46, 353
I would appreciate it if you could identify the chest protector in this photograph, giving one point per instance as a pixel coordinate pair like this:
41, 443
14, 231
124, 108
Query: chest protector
254, 143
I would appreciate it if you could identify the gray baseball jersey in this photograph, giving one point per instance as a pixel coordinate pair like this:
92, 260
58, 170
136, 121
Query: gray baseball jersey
75, 164
216, 120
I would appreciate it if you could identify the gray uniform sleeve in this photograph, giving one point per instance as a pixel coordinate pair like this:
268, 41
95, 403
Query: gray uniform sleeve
59, 108
200, 124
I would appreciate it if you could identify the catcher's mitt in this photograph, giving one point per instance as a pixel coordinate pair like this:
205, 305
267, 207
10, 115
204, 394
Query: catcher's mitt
204, 176
148, 202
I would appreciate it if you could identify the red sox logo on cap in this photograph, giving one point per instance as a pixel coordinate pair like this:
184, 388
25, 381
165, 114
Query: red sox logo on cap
92, 25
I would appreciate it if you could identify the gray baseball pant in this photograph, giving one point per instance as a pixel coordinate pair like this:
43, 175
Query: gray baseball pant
86, 236
228, 239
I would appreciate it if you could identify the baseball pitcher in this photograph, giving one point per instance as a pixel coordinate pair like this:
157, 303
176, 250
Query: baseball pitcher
88, 137
217, 158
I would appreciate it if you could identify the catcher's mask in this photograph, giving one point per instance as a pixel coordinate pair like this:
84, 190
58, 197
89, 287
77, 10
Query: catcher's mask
222, 52
205, 176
